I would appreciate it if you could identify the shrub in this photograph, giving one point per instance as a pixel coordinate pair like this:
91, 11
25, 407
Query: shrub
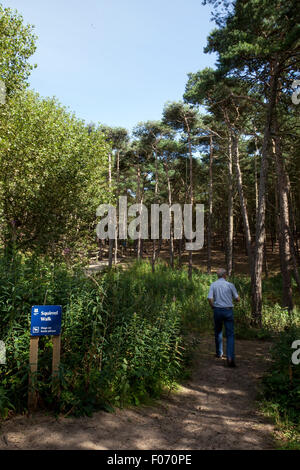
281, 388
121, 340
282, 384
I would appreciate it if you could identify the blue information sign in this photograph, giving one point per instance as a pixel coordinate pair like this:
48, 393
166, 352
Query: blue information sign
45, 320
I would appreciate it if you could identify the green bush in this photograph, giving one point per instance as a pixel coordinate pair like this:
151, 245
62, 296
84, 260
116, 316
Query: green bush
282, 384
121, 342
281, 389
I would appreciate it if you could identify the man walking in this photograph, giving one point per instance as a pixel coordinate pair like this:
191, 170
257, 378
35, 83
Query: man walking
220, 297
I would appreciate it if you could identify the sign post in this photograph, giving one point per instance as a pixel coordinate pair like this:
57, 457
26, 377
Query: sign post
55, 362
45, 320
33, 360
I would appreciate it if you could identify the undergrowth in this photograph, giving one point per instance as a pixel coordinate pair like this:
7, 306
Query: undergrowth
126, 335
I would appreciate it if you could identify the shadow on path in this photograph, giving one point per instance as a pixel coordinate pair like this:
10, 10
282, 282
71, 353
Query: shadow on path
215, 409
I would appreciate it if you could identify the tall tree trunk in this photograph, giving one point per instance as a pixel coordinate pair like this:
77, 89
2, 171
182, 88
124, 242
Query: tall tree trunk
266, 268
229, 244
159, 247
100, 252
255, 173
242, 199
256, 284
284, 223
155, 200
139, 242
180, 253
210, 206
276, 230
166, 165
117, 193
294, 261
293, 236
111, 242
190, 269
293, 224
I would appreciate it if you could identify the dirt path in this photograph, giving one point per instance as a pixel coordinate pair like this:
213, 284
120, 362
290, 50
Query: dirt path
214, 410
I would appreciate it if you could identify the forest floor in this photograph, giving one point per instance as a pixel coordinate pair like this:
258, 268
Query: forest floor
240, 261
215, 409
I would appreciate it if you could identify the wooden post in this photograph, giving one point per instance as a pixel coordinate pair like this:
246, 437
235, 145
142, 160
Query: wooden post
33, 361
56, 341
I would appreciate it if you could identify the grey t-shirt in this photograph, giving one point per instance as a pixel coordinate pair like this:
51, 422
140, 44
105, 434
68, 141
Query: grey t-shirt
222, 292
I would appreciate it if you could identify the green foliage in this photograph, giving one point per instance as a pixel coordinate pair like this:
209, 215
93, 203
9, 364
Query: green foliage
281, 389
253, 31
52, 165
17, 44
114, 350
52, 174
180, 116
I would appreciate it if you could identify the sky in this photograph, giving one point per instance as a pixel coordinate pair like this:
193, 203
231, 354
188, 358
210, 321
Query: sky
116, 62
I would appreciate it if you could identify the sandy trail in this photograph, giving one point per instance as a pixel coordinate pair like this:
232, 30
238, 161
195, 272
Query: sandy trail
215, 409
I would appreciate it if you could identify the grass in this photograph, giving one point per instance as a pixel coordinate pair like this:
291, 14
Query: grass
287, 433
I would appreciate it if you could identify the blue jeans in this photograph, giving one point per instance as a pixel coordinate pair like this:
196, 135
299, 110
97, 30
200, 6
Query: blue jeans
224, 315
